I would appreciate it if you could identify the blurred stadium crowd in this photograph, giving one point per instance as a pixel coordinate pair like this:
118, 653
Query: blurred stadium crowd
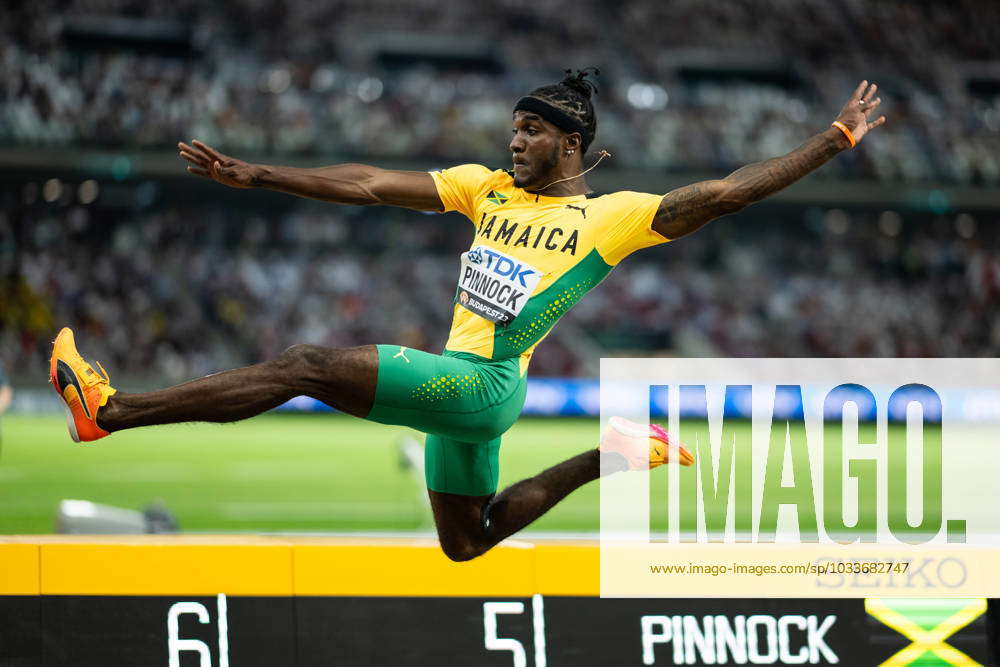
176, 289
687, 85
180, 292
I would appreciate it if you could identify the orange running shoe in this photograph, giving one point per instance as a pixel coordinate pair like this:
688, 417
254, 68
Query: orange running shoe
641, 445
83, 389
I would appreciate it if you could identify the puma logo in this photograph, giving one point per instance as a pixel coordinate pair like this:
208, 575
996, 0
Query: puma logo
401, 353
581, 209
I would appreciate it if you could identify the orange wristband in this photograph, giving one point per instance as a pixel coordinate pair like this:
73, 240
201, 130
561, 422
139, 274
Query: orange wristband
847, 133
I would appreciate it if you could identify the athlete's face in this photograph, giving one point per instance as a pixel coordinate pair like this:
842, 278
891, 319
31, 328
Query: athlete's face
537, 147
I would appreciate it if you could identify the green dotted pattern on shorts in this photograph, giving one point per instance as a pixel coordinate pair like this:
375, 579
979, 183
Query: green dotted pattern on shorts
544, 309
430, 392
462, 401
441, 387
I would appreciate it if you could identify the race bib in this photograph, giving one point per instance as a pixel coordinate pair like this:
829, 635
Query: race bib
494, 285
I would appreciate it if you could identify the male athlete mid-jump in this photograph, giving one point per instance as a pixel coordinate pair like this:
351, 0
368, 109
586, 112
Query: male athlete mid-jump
541, 241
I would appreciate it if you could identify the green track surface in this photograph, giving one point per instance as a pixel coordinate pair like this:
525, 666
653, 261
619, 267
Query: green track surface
277, 472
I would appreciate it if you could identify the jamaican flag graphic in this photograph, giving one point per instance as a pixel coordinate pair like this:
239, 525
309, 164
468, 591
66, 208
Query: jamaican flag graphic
497, 198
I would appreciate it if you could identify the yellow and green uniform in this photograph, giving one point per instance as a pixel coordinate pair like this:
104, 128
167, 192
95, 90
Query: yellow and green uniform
533, 257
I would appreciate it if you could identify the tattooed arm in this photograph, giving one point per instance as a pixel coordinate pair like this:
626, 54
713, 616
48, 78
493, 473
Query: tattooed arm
686, 209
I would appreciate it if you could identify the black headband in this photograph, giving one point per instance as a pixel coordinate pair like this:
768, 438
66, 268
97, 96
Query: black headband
556, 116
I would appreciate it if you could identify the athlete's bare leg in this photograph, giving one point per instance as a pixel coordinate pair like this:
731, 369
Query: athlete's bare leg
469, 526
342, 378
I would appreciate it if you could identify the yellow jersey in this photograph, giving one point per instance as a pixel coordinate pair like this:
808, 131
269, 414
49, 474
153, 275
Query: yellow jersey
533, 257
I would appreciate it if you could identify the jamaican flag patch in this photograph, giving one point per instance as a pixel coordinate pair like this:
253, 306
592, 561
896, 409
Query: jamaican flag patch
497, 198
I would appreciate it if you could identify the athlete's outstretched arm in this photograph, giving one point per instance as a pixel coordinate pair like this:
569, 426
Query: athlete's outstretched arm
358, 184
686, 209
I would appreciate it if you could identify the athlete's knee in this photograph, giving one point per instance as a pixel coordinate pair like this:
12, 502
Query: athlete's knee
462, 550
306, 361
300, 355
470, 543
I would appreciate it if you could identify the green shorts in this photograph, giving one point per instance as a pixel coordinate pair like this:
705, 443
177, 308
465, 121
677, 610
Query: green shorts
463, 402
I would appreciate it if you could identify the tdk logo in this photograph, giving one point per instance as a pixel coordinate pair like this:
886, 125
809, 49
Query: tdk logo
495, 286
501, 265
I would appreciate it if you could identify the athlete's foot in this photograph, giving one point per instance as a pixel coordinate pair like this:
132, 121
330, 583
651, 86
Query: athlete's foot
83, 389
641, 446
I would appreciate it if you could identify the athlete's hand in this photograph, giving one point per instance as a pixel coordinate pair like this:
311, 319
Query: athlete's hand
859, 109
210, 163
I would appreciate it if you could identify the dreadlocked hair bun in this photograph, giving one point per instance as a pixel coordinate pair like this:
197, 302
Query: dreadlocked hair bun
579, 83
572, 96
